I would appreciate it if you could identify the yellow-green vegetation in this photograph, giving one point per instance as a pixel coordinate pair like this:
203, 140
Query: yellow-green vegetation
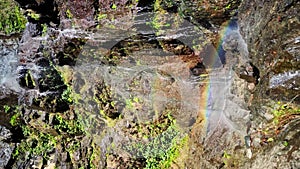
159, 20
6, 108
11, 17
284, 112
104, 97
101, 16
114, 6
70, 127
32, 14
226, 158
164, 159
65, 73
29, 79
14, 113
67, 95
69, 14
232, 159
44, 29
14, 119
37, 144
40, 137
41, 143
95, 156
132, 102
161, 149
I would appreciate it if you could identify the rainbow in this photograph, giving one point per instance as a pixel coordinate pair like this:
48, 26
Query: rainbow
214, 57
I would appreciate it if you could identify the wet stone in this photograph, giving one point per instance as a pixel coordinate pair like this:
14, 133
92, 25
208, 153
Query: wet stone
6, 149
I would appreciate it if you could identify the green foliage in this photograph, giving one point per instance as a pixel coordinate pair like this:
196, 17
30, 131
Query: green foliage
114, 6
130, 103
284, 110
15, 114
228, 6
6, 108
72, 127
33, 15
226, 155
164, 159
29, 80
14, 119
42, 142
11, 18
226, 158
44, 30
285, 143
101, 16
37, 144
69, 14
67, 95
162, 150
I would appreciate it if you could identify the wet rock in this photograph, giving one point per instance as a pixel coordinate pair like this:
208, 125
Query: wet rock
270, 30
208, 14
6, 149
44, 11
4, 133
276, 56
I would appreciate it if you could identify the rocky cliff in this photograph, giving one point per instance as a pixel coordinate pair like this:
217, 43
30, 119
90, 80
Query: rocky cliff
149, 84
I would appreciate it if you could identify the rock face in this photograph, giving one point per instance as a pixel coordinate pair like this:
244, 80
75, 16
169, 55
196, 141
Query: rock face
271, 31
151, 84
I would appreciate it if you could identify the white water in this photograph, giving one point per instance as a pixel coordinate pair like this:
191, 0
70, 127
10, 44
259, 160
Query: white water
225, 108
8, 65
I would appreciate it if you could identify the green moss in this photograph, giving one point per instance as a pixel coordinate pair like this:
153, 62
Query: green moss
232, 159
285, 143
95, 156
42, 142
11, 18
283, 114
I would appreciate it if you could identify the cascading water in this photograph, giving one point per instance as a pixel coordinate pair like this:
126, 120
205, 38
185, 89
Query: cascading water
8, 65
225, 108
